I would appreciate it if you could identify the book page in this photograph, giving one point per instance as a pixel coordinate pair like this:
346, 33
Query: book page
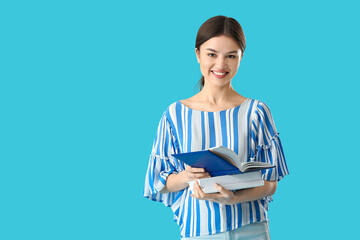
236, 186
227, 154
230, 182
249, 166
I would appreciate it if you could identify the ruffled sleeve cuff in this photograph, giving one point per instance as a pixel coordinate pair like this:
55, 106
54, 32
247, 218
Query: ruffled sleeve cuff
159, 169
273, 154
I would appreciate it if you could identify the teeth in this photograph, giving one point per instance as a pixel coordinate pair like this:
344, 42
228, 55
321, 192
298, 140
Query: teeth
218, 73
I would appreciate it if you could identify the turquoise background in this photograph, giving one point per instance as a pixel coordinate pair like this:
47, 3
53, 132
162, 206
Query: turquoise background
83, 85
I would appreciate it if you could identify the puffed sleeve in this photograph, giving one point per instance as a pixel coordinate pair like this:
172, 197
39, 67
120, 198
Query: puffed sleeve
161, 164
266, 145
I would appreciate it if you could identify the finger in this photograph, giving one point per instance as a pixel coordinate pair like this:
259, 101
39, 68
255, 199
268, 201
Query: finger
194, 170
194, 195
222, 190
194, 191
206, 176
199, 190
197, 170
198, 175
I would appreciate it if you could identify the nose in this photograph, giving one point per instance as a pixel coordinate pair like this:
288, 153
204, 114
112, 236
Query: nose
221, 63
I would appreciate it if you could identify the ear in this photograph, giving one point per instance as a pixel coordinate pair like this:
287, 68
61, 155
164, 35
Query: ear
197, 53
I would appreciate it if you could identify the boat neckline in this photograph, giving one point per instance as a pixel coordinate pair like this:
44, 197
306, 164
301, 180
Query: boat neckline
194, 110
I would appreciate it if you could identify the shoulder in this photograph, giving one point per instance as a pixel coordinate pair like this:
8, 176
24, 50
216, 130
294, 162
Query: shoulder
259, 105
172, 108
168, 113
262, 115
260, 111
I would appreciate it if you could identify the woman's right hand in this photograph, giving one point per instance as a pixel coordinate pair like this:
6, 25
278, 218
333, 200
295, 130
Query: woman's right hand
191, 173
178, 181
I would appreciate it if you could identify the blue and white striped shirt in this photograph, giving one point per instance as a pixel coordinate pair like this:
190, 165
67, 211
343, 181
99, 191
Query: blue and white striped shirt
247, 129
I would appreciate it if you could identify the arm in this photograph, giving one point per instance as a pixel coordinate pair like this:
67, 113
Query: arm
244, 195
176, 182
250, 194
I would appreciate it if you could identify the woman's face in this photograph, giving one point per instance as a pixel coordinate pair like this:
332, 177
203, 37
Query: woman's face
219, 59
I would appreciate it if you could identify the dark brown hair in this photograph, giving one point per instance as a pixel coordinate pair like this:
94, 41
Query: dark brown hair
216, 26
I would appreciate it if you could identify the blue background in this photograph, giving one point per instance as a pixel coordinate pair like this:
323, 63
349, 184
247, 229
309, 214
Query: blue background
84, 84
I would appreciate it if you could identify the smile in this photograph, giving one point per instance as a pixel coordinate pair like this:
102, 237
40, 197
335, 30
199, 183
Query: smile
219, 74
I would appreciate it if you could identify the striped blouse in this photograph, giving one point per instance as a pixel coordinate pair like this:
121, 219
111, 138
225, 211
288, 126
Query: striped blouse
247, 129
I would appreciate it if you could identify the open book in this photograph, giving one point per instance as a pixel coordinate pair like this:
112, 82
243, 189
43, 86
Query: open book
220, 160
225, 168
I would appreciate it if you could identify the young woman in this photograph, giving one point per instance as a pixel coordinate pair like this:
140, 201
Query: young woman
217, 115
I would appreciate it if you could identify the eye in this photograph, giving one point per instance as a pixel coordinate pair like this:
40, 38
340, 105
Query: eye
231, 56
211, 54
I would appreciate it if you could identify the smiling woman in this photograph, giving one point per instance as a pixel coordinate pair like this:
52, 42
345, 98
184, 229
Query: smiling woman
219, 58
221, 26
217, 115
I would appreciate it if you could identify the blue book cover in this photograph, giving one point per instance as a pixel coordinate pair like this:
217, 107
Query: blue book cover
213, 164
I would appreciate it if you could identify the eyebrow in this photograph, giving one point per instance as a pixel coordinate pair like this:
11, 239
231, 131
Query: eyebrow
213, 50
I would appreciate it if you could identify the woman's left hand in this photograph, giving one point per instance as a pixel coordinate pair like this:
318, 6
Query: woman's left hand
224, 196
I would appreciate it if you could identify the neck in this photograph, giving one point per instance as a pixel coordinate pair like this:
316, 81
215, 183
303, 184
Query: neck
216, 95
